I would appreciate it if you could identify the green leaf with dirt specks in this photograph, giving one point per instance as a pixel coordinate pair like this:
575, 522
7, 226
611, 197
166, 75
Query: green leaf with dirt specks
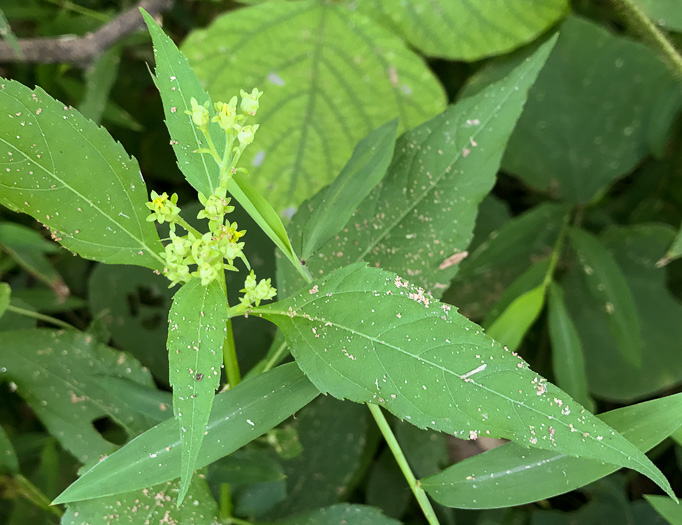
157, 504
419, 220
465, 30
196, 331
69, 174
58, 374
511, 475
341, 514
348, 333
334, 76
239, 416
610, 289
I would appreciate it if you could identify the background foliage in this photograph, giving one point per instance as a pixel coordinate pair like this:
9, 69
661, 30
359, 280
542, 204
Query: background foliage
589, 192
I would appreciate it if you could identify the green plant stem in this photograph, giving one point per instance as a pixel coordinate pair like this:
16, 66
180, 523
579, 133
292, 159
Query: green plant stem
40, 317
234, 376
641, 23
182, 222
276, 357
33, 494
392, 442
556, 252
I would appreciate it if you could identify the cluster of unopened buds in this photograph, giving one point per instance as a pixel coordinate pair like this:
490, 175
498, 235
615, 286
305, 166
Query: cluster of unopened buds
216, 250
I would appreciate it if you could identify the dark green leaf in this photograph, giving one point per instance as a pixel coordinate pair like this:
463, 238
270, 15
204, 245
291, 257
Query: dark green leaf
333, 436
239, 416
419, 220
588, 121
155, 405
665, 13
339, 200
609, 288
636, 250
73, 177
568, 361
196, 332
462, 30
99, 79
366, 335
513, 475
58, 374
5, 293
387, 489
342, 514
157, 504
333, 76
426, 450
669, 509
8, 456
493, 267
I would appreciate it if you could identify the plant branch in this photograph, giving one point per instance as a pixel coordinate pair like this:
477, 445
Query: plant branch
393, 444
82, 51
40, 317
641, 23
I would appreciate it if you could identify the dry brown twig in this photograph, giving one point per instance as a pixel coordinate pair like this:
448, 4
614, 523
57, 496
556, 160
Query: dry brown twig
82, 51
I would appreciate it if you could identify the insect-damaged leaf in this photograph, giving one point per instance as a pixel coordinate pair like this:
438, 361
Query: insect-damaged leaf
71, 175
366, 335
419, 220
196, 331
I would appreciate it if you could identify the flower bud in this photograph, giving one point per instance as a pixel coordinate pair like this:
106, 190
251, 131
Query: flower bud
249, 104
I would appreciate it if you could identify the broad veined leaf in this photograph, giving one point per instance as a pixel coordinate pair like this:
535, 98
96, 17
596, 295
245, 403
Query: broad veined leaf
239, 416
156, 405
568, 361
158, 504
333, 76
366, 335
196, 332
463, 30
501, 261
342, 513
609, 288
512, 475
58, 374
636, 250
69, 174
339, 200
511, 326
178, 84
589, 77
419, 220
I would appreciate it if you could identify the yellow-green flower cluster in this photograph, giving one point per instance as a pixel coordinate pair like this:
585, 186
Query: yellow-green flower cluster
216, 250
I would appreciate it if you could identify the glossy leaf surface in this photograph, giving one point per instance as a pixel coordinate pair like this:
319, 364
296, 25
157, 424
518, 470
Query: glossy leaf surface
349, 334
196, 332
419, 220
239, 416
462, 30
58, 374
333, 76
513, 475
71, 175
609, 288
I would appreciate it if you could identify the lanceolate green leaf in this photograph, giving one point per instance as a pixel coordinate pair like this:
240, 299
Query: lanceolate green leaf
464, 30
69, 174
159, 505
568, 361
608, 286
178, 84
364, 170
669, 509
5, 293
333, 76
419, 220
196, 331
59, 376
342, 513
511, 326
239, 416
366, 335
511, 475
